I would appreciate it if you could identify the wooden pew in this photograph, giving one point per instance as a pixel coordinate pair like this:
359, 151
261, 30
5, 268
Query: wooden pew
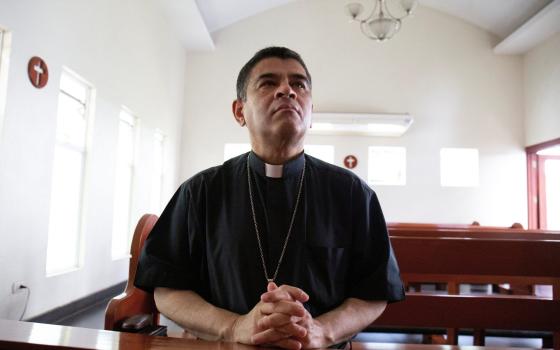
455, 260
496, 233
481, 232
459, 231
430, 226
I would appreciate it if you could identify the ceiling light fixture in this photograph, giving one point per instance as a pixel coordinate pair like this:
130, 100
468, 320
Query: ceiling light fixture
392, 125
380, 25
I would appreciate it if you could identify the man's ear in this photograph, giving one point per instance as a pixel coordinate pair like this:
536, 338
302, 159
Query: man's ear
237, 109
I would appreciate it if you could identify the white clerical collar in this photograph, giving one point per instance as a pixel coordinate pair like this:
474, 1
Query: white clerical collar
272, 170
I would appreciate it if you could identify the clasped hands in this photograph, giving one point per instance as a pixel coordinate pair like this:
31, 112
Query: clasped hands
280, 320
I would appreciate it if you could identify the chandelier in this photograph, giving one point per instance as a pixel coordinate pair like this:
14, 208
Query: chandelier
380, 25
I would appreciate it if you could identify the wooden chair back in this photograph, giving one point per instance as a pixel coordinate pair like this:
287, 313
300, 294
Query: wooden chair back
133, 301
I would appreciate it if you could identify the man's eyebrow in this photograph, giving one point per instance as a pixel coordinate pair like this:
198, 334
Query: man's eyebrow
300, 76
267, 76
275, 76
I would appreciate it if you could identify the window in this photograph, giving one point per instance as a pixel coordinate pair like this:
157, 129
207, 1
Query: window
4, 59
551, 192
323, 152
123, 184
157, 172
387, 166
70, 154
235, 149
543, 165
459, 167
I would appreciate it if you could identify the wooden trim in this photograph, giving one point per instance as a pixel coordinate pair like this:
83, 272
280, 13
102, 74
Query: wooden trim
533, 185
475, 279
541, 192
510, 234
57, 315
542, 145
532, 188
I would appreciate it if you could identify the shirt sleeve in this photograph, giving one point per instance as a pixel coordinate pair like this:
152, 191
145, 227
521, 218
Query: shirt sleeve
168, 258
374, 270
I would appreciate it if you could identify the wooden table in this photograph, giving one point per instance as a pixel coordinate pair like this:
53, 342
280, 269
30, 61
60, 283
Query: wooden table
26, 335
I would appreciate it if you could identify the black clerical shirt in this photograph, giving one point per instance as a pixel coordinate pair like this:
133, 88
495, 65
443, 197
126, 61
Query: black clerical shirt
205, 239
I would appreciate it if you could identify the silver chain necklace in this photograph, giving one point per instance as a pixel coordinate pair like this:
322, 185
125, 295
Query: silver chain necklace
266, 275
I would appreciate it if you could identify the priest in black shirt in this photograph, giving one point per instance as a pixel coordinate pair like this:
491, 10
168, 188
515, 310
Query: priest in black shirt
273, 247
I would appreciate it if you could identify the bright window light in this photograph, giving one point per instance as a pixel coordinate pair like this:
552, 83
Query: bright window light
65, 221
459, 167
323, 152
232, 150
157, 172
323, 126
387, 166
5, 39
550, 151
122, 225
552, 174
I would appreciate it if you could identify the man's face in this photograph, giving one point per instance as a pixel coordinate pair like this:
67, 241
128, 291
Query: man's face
278, 105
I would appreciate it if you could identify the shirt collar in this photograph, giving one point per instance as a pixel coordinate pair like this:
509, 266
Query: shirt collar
289, 169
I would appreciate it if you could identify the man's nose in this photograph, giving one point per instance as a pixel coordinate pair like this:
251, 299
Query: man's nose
285, 90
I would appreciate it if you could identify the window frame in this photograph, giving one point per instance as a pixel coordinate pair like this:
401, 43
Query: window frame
402, 181
132, 165
536, 195
158, 133
5, 50
89, 111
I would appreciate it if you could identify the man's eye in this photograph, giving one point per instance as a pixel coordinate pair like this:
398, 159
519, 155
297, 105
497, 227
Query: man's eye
267, 83
300, 85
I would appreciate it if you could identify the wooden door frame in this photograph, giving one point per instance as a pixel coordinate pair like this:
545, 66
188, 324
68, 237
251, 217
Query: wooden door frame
535, 183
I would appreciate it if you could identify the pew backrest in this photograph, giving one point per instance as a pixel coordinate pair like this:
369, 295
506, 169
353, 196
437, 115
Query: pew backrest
455, 260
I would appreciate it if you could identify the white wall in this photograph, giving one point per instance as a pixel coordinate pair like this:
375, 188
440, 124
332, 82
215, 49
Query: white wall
438, 68
542, 92
126, 50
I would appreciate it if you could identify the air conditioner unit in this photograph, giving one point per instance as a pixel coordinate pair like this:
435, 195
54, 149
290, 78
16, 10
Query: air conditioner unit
392, 125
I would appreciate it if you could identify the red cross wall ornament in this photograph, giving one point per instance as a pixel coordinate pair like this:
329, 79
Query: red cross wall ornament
38, 72
350, 161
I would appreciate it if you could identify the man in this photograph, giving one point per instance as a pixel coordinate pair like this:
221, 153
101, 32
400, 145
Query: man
273, 247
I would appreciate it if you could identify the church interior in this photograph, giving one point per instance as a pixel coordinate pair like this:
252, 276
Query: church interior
453, 119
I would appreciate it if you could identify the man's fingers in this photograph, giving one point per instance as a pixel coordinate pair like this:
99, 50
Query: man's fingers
293, 329
268, 336
290, 344
291, 308
276, 320
284, 292
271, 286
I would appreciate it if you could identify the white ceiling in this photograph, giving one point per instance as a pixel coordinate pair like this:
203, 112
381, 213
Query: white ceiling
221, 13
522, 24
500, 17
